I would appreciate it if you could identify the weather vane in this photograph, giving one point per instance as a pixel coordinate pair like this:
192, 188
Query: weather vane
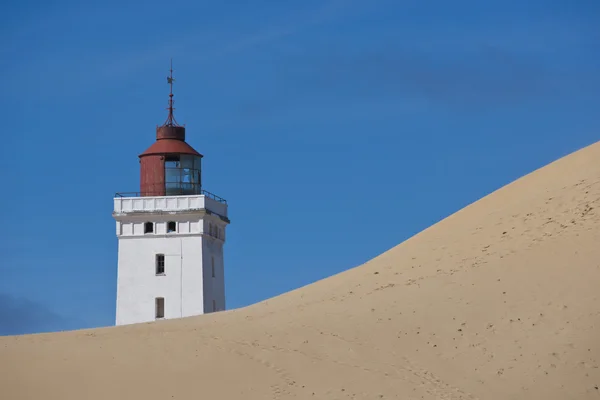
171, 118
170, 78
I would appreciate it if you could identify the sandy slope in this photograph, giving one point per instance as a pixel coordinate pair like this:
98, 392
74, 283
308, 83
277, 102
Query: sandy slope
498, 301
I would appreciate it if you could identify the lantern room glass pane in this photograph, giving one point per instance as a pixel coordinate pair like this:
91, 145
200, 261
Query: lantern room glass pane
172, 161
172, 189
186, 176
172, 175
187, 161
182, 177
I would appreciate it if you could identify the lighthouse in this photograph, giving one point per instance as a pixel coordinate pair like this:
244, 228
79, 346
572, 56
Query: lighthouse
171, 234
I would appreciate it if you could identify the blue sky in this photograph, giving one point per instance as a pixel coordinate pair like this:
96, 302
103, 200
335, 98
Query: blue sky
335, 129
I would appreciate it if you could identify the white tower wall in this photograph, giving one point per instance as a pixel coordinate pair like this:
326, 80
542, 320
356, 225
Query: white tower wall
188, 285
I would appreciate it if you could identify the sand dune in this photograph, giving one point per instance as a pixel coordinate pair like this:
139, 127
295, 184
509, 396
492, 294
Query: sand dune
498, 301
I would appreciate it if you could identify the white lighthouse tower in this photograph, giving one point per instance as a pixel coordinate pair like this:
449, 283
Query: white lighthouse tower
171, 234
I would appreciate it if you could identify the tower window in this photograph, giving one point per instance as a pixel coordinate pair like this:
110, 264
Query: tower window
171, 226
214, 305
160, 264
148, 227
160, 307
212, 260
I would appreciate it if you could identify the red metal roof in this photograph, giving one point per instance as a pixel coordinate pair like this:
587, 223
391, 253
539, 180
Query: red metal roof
165, 146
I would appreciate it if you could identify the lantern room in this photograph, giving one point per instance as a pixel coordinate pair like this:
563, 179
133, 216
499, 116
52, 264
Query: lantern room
170, 167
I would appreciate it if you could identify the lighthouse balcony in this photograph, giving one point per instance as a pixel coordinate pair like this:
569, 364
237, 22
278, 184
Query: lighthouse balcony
135, 203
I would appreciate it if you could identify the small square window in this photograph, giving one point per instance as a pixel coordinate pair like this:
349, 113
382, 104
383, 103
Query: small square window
171, 227
149, 227
160, 307
160, 264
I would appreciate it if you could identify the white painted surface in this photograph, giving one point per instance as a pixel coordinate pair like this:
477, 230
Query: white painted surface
168, 203
187, 285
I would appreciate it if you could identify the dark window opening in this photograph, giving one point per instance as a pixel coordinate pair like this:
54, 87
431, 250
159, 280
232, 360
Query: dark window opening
160, 307
148, 227
214, 305
160, 264
212, 259
171, 226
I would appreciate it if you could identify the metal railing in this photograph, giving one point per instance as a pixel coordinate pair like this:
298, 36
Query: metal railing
172, 192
